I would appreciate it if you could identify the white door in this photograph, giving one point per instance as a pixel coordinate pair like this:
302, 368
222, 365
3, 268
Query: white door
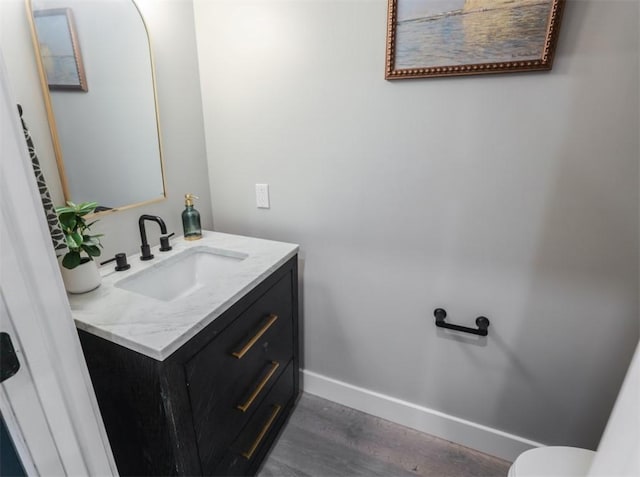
48, 405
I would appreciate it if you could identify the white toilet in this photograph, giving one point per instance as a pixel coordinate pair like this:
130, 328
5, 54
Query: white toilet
619, 449
552, 461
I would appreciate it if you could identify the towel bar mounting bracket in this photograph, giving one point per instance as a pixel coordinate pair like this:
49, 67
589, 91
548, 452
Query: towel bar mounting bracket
482, 322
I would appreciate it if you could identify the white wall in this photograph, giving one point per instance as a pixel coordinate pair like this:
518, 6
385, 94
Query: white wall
171, 29
619, 449
510, 196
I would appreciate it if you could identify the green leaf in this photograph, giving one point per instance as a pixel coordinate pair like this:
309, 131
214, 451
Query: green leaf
64, 210
71, 242
95, 236
74, 227
86, 208
68, 220
93, 242
71, 260
74, 240
91, 250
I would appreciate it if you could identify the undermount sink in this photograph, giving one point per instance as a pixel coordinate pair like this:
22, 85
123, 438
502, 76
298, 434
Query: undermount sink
183, 273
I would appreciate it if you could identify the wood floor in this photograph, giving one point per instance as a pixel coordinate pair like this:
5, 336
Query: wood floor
325, 439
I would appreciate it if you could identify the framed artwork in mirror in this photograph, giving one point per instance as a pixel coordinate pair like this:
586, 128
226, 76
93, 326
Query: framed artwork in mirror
432, 38
60, 49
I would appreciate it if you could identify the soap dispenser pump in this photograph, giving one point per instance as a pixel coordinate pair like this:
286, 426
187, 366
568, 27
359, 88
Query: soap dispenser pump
191, 219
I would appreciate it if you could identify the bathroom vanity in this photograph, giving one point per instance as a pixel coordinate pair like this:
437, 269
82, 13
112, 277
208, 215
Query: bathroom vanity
198, 377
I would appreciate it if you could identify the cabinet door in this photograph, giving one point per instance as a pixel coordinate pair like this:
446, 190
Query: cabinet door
229, 377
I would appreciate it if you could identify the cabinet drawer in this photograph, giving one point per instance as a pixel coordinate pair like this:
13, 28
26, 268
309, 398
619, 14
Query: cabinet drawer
255, 439
230, 376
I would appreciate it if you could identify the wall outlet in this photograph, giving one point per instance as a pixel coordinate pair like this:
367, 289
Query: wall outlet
262, 196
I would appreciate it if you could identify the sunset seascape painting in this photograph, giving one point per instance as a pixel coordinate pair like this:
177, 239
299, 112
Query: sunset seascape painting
428, 37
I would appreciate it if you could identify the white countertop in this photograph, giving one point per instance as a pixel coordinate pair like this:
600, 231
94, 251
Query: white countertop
157, 328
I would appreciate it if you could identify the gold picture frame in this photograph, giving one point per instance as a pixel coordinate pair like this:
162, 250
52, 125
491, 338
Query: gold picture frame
60, 49
428, 38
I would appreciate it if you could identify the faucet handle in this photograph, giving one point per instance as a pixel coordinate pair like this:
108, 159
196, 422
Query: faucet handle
164, 242
121, 262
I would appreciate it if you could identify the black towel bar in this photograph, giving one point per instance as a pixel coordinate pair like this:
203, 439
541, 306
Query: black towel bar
482, 322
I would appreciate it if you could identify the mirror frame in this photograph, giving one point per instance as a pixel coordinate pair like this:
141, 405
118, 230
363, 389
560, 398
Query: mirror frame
53, 129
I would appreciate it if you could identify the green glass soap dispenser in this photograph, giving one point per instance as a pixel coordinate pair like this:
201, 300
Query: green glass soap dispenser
191, 219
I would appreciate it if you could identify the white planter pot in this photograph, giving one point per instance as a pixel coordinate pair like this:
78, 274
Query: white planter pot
85, 277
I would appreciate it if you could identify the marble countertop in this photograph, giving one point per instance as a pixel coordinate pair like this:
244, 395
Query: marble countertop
157, 328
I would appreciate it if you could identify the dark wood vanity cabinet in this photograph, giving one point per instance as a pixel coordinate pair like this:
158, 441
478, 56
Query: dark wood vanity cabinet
215, 406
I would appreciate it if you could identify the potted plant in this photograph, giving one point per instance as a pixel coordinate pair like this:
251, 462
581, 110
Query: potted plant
79, 270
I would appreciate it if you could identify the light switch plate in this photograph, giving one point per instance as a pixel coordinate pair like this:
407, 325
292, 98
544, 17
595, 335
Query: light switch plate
262, 196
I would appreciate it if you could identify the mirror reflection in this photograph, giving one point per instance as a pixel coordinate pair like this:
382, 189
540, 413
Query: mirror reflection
99, 85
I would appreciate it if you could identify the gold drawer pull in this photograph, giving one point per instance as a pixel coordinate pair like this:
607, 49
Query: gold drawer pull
249, 453
263, 382
246, 347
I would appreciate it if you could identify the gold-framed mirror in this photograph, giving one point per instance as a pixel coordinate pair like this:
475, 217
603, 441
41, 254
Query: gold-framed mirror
98, 81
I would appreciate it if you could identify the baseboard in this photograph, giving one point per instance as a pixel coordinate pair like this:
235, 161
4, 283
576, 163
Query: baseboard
476, 436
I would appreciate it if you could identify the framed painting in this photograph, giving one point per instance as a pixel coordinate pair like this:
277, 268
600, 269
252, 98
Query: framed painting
430, 38
59, 49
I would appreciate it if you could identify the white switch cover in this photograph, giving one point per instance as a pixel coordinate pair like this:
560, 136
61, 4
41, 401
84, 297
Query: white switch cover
262, 196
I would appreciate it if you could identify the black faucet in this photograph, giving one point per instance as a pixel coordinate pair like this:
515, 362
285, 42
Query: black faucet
146, 250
